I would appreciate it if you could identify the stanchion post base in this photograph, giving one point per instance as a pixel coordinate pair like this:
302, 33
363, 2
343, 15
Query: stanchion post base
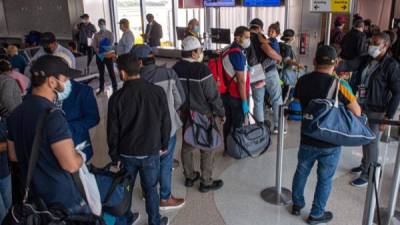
384, 214
270, 195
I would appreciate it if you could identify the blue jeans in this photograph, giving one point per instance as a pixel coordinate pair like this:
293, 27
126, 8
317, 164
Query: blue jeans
148, 169
5, 196
327, 159
166, 164
274, 89
258, 97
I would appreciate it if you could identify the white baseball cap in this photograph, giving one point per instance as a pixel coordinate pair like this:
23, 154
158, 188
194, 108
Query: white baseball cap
191, 43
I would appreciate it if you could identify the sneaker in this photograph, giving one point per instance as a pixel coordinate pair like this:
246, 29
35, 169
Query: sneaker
358, 169
133, 218
164, 221
296, 210
276, 131
328, 216
190, 182
216, 184
359, 182
171, 203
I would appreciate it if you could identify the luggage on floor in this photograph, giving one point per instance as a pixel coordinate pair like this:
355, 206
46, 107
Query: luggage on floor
249, 140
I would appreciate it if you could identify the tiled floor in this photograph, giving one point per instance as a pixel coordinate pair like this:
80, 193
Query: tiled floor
239, 202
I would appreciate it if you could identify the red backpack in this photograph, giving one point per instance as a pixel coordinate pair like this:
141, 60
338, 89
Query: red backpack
217, 69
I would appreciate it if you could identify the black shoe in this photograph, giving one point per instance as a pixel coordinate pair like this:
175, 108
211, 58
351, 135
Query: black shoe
328, 216
358, 169
217, 184
164, 221
190, 182
296, 210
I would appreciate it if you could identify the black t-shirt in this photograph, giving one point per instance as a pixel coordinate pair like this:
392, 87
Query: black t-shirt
316, 86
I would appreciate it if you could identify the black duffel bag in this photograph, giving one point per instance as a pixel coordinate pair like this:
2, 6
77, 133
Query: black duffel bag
250, 140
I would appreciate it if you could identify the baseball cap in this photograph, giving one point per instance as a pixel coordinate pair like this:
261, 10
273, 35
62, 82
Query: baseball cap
288, 33
141, 51
50, 65
191, 43
326, 55
85, 16
257, 22
340, 20
47, 38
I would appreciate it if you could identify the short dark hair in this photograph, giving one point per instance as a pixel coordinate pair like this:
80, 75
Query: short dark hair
85, 16
358, 23
367, 22
239, 31
102, 21
276, 27
188, 54
5, 66
383, 36
72, 45
150, 16
129, 63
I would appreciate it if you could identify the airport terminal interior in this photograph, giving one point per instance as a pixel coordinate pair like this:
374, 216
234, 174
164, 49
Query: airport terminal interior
141, 94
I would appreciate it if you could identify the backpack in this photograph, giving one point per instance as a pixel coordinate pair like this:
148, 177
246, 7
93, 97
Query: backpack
216, 67
295, 113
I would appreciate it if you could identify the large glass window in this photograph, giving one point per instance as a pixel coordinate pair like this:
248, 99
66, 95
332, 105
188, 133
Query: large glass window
162, 11
129, 9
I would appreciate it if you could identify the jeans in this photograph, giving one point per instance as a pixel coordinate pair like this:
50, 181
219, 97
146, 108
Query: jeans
327, 159
5, 196
371, 151
258, 97
148, 169
110, 67
234, 114
166, 164
274, 89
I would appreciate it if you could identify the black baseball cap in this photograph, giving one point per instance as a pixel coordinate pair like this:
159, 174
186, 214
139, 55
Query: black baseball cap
47, 38
257, 22
85, 16
50, 65
288, 33
326, 55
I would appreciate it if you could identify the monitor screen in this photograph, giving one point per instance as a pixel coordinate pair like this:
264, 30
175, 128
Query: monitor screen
220, 36
219, 3
262, 2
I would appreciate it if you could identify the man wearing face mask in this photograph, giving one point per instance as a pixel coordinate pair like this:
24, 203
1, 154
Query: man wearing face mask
50, 46
205, 99
102, 44
85, 32
377, 84
193, 29
237, 76
52, 180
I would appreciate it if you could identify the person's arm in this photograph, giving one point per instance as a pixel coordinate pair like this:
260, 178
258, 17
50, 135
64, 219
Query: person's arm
165, 120
394, 86
10, 95
3, 146
178, 92
213, 98
268, 50
238, 61
113, 129
12, 156
346, 96
241, 80
89, 111
95, 43
68, 158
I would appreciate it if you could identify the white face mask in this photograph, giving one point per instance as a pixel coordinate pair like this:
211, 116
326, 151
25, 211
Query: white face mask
374, 51
201, 57
246, 43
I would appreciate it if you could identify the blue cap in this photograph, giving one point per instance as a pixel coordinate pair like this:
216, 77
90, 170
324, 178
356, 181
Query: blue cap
141, 51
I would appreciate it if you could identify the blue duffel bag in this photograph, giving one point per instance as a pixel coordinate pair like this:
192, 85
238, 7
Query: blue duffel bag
115, 190
329, 121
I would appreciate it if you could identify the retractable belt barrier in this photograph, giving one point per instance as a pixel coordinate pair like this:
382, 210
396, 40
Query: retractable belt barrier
383, 216
279, 195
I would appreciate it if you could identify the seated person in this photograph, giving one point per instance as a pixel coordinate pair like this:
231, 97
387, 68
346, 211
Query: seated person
17, 61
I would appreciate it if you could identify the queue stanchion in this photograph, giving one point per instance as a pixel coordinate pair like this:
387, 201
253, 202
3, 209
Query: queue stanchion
372, 194
279, 195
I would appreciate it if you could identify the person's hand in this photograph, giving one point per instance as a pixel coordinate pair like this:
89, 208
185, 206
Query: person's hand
163, 152
382, 127
245, 107
117, 165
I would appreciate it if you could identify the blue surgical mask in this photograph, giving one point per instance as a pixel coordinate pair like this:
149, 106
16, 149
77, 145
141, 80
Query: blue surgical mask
67, 91
196, 29
102, 27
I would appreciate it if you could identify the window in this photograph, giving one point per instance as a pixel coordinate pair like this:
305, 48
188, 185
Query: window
129, 9
162, 11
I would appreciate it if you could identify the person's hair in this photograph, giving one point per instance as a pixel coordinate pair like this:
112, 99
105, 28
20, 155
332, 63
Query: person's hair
188, 54
85, 16
5, 66
338, 23
192, 22
374, 29
393, 36
276, 27
239, 31
358, 23
129, 63
101, 21
148, 61
367, 22
287, 34
150, 16
383, 36
72, 45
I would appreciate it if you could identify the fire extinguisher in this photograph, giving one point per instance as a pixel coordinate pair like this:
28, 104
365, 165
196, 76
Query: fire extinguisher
303, 43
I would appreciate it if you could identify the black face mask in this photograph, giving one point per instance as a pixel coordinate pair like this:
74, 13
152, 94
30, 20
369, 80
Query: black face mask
48, 50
